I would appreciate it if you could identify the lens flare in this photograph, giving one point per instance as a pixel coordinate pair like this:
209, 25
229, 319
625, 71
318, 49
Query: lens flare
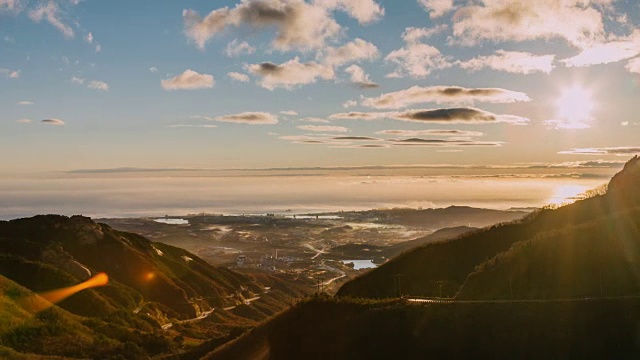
55, 296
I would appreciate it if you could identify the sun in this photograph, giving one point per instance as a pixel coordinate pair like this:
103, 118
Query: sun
575, 105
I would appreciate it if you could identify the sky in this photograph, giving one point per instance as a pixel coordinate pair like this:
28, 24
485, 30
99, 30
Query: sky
89, 85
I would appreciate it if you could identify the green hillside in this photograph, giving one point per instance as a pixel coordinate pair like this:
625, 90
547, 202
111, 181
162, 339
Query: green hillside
165, 297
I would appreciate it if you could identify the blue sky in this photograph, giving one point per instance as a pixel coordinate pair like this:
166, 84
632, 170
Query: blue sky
229, 84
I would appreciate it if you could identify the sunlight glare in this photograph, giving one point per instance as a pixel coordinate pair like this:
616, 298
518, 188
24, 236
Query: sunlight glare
566, 194
575, 106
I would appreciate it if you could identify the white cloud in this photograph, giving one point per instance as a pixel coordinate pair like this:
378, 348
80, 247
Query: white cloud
89, 38
289, 113
153, 69
518, 20
432, 132
11, 74
25, 102
353, 51
633, 65
357, 115
443, 94
511, 61
51, 13
365, 11
566, 124
208, 126
254, 118
299, 25
349, 103
98, 85
608, 52
437, 8
413, 34
359, 77
416, 60
24, 121
321, 128
52, 121
238, 76
290, 74
98, 48
188, 80
315, 120
236, 48
77, 80
619, 151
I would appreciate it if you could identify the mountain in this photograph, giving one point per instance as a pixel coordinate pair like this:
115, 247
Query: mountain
153, 286
441, 269
351, 251
561, 283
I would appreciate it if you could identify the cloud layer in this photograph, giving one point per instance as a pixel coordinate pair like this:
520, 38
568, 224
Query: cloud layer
253, 118
443, 94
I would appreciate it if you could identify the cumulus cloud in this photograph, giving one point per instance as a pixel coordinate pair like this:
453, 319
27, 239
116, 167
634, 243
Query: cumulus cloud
98, 85
516, 62
11, 74
52, 121
25, 102
443, 94
321, 128
236, 48
566, 124
188, 80
444, 142
437, 8
290, 74
431, 132
417, 60
413, 34
620, 151
576, 21
633, 65
349, 103
77, 80
359, 77
51, 13
464, 115
603, 53
209, 126
353, 51
254, 118
356, 115
238, 76
299, 25
315, 120
365, 11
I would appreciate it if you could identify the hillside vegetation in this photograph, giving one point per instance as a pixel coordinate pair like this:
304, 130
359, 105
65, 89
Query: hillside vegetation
160, 299
552, 253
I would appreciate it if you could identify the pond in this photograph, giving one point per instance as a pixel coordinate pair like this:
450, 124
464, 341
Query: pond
360, 264
172, 221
